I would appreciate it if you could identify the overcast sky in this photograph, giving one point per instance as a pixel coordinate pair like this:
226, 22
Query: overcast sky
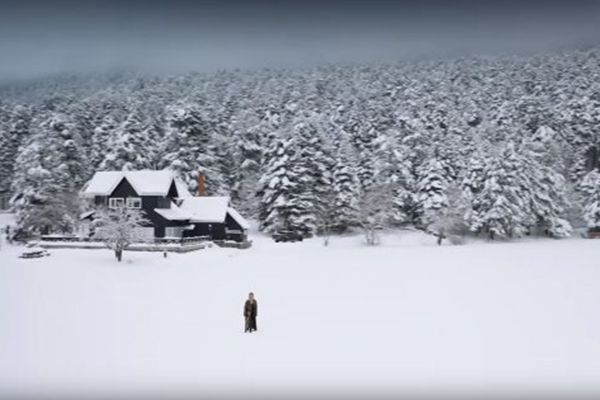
48, 37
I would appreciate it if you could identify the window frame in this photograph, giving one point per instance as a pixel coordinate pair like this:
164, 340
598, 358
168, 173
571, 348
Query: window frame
113, 200
130, 200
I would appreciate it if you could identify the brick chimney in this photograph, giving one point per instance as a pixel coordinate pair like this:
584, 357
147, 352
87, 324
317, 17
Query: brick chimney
201, 190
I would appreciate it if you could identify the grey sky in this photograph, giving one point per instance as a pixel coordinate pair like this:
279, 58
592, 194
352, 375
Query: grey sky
38, 38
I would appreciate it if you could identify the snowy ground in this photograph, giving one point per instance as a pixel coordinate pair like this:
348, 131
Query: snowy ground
407, 317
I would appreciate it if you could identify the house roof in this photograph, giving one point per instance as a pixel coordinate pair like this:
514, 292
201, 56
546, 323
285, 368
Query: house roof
144, 182
202, 209
103, 183
205, 208
173, 214
182, 189
237, 217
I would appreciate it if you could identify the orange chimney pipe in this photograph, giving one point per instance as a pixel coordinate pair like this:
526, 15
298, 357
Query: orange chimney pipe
201, 190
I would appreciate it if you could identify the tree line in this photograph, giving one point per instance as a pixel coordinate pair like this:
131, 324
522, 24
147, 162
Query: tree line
494, 146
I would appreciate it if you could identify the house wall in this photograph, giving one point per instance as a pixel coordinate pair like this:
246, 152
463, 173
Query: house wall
124, 189
218, 231
173, 191
161, 223
214, 229
159, 231
234, 231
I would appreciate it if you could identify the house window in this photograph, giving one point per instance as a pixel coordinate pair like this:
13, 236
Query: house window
134, 202
116, 202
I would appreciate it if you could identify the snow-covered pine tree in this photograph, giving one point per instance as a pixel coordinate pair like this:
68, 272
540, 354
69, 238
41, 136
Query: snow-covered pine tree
344, 212
431, 192
129, 147
449, 220
590, 186
312, 164
500, 208
248, 154
33, 199
154, 135
82, 115
366, 142
397, 173
190, 148
12, 133
471, 185
100, 143
547, 200
51, 169
277, 187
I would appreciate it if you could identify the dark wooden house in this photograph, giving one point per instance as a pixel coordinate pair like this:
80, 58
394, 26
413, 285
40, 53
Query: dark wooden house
170, 209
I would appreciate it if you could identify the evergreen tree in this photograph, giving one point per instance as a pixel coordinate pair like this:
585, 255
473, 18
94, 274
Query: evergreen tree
130, 147
591, 209
472, 184
12, 133
366, 142
248, 154
101, 140
344, 199
312, 164
50, 172
190, 148
402, 182
448, 220
547, 200
277, 188
500, 208
431, 192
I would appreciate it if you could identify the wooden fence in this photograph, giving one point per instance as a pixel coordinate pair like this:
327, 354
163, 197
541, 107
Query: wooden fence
178, 245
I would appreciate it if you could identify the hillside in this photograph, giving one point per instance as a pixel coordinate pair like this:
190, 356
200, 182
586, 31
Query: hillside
422, 138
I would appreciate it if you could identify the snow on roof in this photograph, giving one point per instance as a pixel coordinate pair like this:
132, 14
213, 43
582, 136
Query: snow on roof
205, 208
182, 190
86, 214
103, 183
150, 183
173, 214
144, 182
237, 217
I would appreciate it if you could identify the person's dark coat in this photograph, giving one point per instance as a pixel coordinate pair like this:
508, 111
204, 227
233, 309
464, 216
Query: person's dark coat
250, 313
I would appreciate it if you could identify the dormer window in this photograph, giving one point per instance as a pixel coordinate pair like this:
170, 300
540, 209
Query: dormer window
134, 202
116, 202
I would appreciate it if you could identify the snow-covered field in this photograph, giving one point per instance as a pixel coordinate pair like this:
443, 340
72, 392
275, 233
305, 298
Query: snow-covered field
406, 316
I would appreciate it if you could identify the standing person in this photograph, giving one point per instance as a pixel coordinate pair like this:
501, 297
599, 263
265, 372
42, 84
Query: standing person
250, 313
